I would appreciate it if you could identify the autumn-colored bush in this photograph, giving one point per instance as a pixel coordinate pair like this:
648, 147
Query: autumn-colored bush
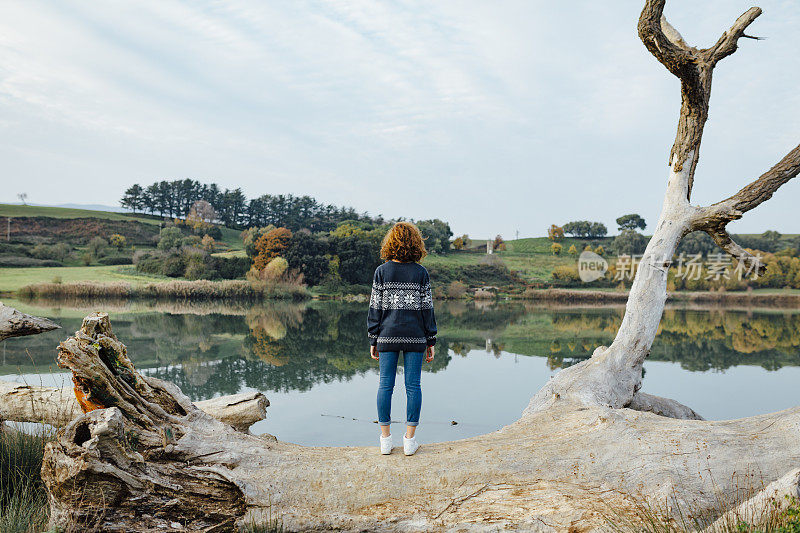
555, 233
555, 248
271, 245
117, 241
456, 289
565, 274
207, 243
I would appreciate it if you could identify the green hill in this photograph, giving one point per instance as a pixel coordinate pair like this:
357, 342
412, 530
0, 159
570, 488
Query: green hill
13, 210
231, 237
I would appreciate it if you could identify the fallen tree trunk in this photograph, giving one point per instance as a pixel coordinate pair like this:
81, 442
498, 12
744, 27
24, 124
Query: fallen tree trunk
16, 324
57, 406
144, 457
146, 445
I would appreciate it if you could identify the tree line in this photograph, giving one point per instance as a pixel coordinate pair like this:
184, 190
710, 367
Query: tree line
175, 198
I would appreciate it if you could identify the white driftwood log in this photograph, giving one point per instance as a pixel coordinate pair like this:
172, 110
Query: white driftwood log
148, 458
151, 458
57, 406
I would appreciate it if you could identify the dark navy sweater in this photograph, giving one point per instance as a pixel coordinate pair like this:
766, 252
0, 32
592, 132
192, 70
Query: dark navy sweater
401, 308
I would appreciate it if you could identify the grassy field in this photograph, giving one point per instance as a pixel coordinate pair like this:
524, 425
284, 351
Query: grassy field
541, 245
532, 267
232, 253
13, 210
12, 279
233, 238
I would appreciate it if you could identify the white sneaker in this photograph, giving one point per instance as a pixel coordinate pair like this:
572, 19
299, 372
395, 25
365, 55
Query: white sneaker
410, 445
386, 445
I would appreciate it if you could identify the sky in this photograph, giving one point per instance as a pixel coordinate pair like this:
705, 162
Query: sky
495, 116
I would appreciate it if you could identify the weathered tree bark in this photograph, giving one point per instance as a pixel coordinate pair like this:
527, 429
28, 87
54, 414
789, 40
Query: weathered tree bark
16, 324
57, 406
148, 457
123, 465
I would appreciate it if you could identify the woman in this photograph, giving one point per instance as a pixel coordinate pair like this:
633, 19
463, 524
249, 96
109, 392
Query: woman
401, 320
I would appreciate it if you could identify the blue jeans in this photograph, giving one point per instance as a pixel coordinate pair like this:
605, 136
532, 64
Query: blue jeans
412, 365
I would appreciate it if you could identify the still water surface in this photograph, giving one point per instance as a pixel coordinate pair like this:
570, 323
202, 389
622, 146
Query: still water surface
311, 360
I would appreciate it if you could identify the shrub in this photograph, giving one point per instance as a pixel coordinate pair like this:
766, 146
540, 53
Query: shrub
250, 236
276, 268
56, 252
600, 250
115, 260
229, 267
97, 246
147, 261
456, 289
565, 274
271, 245
629, 242
86, 258
499, 243
173, 265
697, 242
117, 241
196, 270
555, 248
192, 241
14, 249
207, 243
572, 250
555, 233
170, 237
21, 261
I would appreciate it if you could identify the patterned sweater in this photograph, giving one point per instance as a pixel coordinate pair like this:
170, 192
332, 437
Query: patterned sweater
401, 308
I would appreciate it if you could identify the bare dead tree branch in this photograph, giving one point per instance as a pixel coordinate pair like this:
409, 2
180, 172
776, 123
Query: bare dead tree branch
694, 68
663, 41
714, 218
727, 44
762, 189
724, 241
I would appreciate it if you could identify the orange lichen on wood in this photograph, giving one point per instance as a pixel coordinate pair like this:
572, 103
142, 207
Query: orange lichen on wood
84, 400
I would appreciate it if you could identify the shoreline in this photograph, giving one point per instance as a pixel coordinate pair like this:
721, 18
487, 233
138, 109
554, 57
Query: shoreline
241, 290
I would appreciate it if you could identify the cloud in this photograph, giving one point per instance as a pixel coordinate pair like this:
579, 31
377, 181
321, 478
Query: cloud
492, 116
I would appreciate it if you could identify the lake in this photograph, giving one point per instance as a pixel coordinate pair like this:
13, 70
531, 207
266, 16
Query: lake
311, 360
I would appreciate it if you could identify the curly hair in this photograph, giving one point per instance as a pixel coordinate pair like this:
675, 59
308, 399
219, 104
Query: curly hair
403, 243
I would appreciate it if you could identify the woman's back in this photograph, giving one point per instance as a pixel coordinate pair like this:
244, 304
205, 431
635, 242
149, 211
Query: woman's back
401, 308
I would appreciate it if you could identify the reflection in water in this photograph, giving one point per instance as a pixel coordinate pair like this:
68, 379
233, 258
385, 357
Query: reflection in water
296, 348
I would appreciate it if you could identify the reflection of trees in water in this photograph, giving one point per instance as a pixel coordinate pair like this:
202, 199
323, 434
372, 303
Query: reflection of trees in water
296, 348
288, 347
698, 340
